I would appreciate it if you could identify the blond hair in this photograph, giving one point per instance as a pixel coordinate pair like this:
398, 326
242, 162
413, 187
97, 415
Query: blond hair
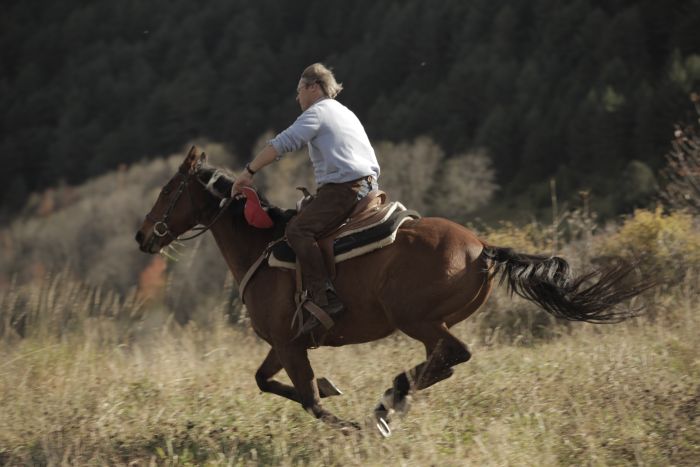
318, 73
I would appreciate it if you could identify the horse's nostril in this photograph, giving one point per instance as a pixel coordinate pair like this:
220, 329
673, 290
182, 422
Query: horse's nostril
139, 237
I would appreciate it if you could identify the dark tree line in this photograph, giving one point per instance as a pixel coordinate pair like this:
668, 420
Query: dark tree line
575, 90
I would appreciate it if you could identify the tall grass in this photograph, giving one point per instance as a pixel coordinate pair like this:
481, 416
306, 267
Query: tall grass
622, 394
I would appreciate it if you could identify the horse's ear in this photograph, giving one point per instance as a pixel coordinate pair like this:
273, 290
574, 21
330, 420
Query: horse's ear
190, 162
201, 160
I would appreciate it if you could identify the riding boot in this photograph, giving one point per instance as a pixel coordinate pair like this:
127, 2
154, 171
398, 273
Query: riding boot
327, 299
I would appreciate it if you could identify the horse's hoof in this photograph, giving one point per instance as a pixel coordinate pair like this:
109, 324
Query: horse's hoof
383, 427
327, 389
381, 411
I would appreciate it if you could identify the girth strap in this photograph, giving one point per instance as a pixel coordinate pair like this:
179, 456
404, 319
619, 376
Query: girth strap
256, 265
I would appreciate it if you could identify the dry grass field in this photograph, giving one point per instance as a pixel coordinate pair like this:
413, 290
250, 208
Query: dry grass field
625, 394
92, 374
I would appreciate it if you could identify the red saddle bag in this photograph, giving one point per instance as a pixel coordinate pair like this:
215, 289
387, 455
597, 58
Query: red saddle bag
254, 213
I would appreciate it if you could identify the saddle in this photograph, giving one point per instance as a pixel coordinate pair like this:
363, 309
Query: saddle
371, 225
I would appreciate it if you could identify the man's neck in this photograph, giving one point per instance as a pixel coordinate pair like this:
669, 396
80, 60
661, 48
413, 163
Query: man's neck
319, 99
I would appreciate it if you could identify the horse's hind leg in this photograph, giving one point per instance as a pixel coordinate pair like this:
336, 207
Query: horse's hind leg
443, 351
272, 365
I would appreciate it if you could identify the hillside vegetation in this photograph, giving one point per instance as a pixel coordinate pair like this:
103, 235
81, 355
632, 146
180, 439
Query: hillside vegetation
87, 231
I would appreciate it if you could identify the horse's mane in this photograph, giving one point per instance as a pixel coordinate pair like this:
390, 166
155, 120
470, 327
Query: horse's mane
221, 189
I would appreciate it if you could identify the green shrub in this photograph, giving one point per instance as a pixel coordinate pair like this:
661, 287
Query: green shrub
665, 245
532, 238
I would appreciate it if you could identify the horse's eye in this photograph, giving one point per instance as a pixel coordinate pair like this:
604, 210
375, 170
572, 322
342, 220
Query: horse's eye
166, 190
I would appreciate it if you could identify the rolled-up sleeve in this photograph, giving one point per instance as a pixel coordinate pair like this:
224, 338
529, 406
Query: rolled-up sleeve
298, 134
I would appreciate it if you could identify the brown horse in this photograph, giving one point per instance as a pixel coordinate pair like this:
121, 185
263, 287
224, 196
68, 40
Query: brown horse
436, 274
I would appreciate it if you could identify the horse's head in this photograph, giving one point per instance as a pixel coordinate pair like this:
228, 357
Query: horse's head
175, 211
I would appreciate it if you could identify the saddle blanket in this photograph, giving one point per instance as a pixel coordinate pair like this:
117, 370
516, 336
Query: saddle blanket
353, 242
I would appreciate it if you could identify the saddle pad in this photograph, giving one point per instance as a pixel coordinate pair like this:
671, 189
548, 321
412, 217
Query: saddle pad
351, 243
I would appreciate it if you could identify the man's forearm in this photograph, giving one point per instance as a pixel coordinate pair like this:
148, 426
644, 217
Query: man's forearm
245, 177
265, 157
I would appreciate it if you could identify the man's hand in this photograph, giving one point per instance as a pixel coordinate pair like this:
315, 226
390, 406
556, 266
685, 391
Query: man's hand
244, 179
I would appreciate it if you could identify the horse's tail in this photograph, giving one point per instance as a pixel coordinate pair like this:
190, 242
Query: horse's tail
547, 281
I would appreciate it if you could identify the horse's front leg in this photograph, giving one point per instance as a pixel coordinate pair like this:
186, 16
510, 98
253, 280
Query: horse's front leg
295, 360
272, 365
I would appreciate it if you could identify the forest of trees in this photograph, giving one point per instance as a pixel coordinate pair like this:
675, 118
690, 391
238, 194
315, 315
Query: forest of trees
585, 91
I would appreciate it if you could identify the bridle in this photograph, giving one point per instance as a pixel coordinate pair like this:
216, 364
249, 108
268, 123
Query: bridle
161, 228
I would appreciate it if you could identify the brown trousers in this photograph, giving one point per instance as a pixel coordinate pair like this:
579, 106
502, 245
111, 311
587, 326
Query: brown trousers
332, 204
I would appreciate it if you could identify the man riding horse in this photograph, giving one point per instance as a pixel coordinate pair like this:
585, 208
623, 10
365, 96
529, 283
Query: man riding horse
345, 168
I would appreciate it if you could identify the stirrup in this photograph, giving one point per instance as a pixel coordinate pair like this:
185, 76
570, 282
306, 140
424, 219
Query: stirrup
331, 309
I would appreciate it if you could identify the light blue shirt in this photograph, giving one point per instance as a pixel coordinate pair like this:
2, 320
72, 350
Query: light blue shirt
339, 148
